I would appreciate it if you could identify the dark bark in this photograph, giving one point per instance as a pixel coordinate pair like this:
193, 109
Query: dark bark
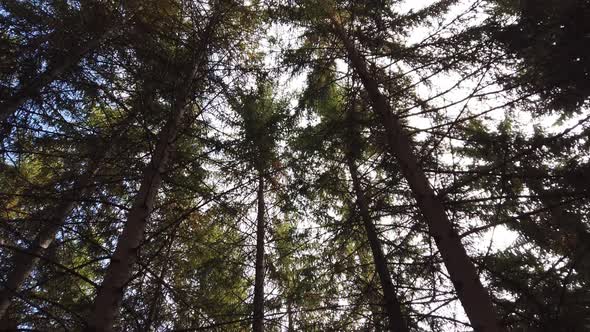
53, 219
258, 317
7, 324
290, 323
397, 322
373, 296
472, 294
110, 293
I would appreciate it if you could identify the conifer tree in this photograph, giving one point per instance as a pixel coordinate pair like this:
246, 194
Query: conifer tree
294, 165
110, 293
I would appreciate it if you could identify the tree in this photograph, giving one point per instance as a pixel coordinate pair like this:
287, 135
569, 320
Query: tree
293, 165
110, 292
327, 99
473, 295
397, 322
260, 119
549, 41
53, 219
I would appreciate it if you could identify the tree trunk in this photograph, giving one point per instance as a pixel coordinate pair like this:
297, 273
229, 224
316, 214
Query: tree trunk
290, 324
392, 305
25, 260
153, 313
110, 293
258, 321
473, 296
8, 325
374, 298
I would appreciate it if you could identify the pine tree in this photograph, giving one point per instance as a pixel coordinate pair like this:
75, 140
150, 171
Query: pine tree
110, 292
294, 165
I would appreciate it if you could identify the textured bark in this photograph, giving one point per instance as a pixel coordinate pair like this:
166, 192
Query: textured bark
472, 294
7, 324
258, 317
153, 313
53, 219
397, 322
110, 293
374, 298
24, 261
33, 88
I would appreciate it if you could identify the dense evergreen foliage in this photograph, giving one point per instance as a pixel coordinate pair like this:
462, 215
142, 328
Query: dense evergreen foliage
294, 165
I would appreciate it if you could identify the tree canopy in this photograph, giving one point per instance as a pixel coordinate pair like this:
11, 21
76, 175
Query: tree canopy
272, 165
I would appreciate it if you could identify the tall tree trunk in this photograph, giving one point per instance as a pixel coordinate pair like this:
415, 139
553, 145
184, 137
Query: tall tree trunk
153, 313
258, 320
29, 90
472, 294
375, 299
53, 219
397, 321
290, 323
7, 324
110, 293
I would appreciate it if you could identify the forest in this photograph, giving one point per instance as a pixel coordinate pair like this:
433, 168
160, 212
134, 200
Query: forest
295, 165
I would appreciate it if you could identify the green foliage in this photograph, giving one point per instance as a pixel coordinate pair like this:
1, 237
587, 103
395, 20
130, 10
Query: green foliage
474, 87
551, 41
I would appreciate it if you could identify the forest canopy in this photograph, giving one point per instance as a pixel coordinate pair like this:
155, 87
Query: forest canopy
294, 165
